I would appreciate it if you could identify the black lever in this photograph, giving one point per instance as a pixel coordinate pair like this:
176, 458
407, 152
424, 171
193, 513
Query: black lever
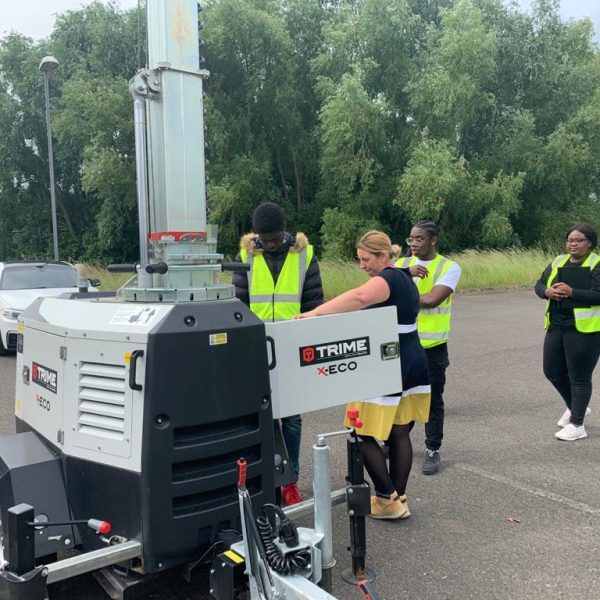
122, 268
235, 266
160, 268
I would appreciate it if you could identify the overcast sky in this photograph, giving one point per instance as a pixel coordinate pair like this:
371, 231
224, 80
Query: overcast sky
35, 18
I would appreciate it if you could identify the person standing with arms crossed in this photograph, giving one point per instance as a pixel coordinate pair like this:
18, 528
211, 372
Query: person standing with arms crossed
284, 280
436, 278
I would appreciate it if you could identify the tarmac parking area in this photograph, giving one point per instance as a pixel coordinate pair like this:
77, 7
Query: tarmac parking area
514, 514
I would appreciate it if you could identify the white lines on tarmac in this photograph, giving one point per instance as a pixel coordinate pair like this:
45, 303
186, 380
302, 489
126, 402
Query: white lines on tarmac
580, 506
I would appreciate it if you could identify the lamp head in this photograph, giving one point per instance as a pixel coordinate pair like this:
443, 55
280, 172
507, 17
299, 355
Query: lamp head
48, 64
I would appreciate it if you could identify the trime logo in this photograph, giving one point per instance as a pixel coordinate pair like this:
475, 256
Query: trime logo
334, 351
45, 377
308, 354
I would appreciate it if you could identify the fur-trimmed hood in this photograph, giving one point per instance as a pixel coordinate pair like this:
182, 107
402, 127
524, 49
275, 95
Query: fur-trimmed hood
250, 242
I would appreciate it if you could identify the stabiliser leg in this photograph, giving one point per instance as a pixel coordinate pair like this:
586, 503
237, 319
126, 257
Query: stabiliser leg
21, 579
358, 498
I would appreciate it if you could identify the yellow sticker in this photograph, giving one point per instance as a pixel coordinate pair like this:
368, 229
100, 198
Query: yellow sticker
21, 327
236, 558
127, 357
216, 339
18, 406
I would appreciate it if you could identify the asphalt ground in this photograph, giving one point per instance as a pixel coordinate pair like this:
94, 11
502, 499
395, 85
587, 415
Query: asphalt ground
513, 514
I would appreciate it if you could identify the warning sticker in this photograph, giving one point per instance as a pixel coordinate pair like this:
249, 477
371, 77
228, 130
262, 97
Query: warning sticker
236, 558
216, 339
136, 315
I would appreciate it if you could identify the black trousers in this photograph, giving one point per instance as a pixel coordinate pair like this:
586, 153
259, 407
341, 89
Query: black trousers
438, 363
569, 361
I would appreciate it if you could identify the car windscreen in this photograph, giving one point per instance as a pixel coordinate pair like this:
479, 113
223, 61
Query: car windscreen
28, 277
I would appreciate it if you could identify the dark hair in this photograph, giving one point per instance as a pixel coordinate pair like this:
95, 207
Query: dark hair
268, 217
429, 226
587, 230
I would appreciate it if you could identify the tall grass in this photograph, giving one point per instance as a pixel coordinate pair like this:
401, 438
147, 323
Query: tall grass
109, 282
494, 269
481, 270
339, 276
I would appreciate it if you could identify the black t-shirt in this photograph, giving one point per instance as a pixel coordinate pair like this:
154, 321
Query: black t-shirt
403, 294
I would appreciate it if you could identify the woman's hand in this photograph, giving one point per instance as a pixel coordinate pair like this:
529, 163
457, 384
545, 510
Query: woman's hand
564, 290
553, 294
306, 315
558, 292
419, 271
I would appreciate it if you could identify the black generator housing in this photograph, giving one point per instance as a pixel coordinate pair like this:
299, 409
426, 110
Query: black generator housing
207, 403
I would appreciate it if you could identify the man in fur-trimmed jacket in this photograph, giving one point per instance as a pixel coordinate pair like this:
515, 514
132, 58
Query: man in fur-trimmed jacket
284, 280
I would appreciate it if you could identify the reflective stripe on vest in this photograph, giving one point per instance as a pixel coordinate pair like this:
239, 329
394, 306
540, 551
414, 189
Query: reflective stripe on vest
281, 301
587, 320
433, 323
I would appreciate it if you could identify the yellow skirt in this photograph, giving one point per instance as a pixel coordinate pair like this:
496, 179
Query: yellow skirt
379, 414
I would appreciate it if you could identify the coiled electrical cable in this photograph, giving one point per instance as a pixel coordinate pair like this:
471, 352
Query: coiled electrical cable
284, 564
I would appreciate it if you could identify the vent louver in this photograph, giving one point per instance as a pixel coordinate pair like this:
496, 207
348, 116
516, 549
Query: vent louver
101, 411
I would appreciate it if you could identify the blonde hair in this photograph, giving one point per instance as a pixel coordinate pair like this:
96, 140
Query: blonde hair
377, 242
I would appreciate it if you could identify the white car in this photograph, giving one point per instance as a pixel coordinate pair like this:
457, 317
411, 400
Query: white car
20, 284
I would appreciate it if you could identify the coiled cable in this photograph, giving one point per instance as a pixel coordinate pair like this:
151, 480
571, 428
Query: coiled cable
282, 563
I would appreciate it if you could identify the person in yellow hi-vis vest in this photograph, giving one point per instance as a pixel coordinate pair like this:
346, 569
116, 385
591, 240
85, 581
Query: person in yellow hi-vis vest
436, 278
572, 342
284, 280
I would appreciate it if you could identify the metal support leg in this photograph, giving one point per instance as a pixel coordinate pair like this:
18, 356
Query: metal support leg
322, 496
358, 507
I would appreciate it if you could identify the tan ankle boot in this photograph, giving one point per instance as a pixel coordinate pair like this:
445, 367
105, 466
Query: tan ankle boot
389, 508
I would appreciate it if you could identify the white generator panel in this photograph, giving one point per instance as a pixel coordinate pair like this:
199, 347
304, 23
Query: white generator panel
327, 361
72, 376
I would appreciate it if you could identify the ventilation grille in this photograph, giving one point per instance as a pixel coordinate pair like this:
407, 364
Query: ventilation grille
205, 480
197, 469
213, 500
196, 435
102, 401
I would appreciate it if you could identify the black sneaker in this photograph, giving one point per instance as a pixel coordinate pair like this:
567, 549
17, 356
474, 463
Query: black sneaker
431, 463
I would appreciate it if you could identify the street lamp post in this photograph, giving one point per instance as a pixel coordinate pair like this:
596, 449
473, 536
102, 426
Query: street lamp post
49, 64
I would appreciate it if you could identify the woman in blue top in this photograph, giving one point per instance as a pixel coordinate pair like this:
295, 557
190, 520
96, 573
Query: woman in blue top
388, 417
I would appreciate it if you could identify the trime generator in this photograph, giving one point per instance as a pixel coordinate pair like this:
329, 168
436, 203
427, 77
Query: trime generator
147, 419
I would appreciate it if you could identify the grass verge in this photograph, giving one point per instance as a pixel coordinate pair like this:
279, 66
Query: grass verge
481, 270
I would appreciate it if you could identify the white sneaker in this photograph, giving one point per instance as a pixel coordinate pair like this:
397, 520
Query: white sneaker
566, 417
570, 433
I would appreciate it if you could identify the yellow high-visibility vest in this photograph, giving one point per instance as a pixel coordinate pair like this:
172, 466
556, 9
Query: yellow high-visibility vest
281, 301
433, 324
587, 320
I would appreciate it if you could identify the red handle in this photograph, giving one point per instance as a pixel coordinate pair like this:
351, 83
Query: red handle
101, 527
241, 464
352, 414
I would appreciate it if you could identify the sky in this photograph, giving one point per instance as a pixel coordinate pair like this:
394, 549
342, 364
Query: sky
35, 18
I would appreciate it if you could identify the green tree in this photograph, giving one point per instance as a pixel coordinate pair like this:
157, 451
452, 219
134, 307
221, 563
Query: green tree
97, 50
471, 210
453, 93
